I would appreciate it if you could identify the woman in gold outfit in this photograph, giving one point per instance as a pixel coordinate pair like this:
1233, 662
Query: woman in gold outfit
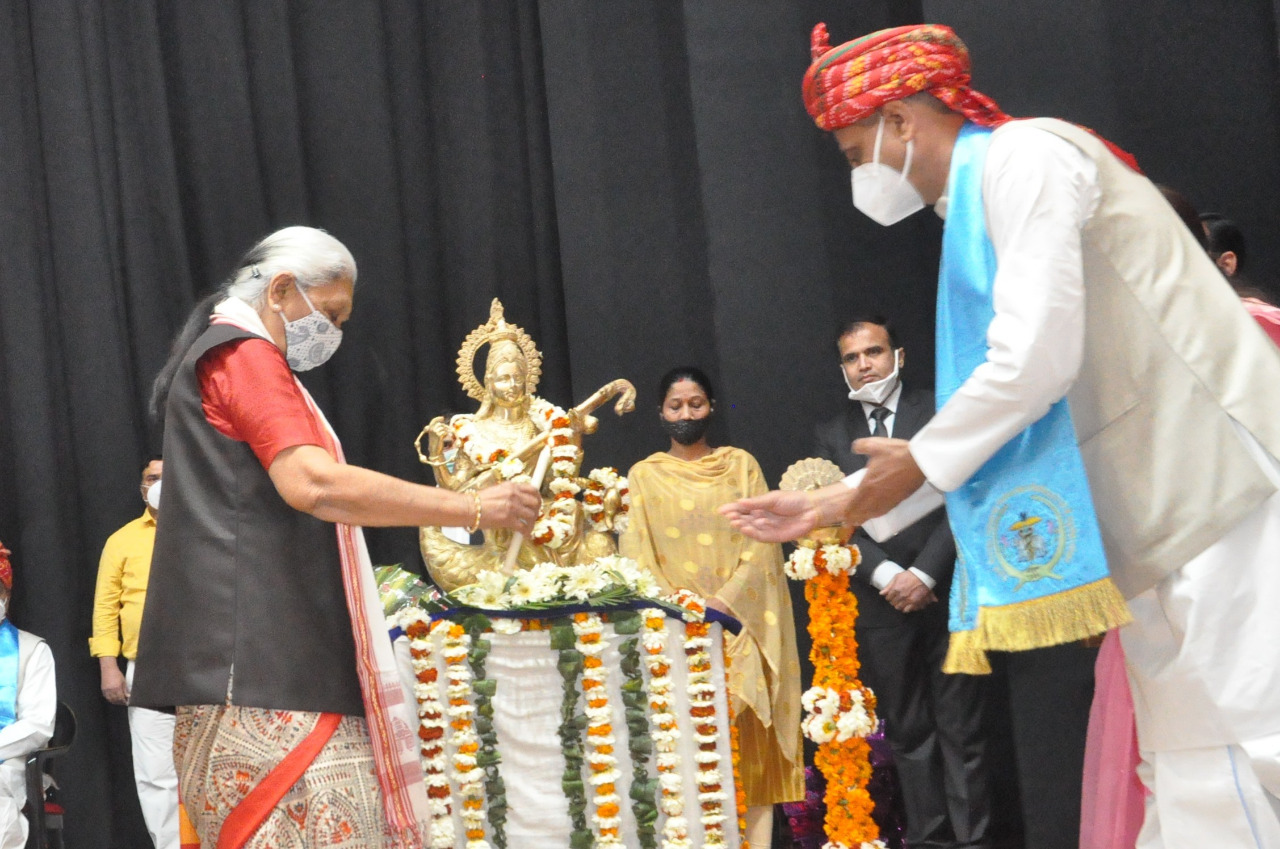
676, 533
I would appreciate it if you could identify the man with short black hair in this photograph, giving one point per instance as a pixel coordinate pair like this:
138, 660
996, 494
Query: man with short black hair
933, 720
117, 615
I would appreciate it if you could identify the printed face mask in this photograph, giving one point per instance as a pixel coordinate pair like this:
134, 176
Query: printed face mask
311, 340
881, 193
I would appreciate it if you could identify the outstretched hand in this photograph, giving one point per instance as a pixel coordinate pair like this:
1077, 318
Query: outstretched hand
782, 516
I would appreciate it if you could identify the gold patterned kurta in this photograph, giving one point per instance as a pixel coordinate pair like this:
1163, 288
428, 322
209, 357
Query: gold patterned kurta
676, 533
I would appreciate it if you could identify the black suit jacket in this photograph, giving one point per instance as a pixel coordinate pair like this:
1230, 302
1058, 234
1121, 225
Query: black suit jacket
926, 545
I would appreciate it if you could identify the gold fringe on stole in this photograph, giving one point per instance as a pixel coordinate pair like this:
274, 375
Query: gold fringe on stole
1048, 621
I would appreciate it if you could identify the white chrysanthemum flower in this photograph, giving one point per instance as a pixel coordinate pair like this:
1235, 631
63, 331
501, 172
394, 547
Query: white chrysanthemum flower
527, 588
582, 582
839, 560
819, 728
853, 723
502, 625
821, 700
799, 565
510, 467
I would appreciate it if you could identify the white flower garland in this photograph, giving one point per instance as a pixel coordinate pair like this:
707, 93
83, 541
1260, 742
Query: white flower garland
548, 585
588, 628
666, 731
831, 715
701, 688
467, 776
431, 718
599, 482
804, 563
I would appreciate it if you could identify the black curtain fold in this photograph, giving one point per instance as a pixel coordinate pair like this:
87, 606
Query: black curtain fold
637, 180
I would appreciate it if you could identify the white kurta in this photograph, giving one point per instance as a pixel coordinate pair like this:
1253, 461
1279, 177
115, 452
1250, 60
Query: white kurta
1204, 653
36, 708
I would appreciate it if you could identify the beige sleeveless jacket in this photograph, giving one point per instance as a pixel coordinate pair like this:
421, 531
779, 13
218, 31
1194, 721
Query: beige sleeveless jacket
1170, 358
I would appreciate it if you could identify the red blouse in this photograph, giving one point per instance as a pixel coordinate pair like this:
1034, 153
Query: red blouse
249, 394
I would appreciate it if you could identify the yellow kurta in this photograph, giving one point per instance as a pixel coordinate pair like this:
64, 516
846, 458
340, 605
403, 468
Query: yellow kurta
676, 533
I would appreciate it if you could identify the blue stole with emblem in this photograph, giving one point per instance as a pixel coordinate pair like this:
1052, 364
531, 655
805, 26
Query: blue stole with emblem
9, 668
1030, 567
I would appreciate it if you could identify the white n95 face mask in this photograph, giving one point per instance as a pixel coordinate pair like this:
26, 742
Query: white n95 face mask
153, 495
877, 392
881, 193
311, 340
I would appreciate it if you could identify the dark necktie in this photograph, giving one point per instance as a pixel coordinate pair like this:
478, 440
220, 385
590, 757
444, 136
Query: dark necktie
879, 414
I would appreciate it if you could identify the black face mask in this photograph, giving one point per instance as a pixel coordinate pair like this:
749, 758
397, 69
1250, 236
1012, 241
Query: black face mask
686, 431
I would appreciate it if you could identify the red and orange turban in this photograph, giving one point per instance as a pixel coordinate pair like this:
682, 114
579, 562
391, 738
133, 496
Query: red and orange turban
850, 82
6, 568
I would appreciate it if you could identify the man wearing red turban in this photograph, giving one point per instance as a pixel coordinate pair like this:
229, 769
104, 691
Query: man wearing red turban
1104, 405
28, 704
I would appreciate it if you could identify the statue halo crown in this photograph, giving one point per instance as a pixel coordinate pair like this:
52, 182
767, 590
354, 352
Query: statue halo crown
497, 329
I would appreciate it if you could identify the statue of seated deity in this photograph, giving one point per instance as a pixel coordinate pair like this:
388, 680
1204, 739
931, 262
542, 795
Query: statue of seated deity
516, 435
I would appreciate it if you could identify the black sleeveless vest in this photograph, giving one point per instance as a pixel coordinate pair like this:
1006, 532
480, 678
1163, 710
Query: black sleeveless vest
239, 579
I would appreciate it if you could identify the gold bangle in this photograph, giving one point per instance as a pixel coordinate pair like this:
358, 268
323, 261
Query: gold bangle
479, 507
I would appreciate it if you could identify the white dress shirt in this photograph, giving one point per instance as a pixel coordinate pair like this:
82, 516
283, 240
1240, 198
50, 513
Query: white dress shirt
888, 569
1038, 191
890, 404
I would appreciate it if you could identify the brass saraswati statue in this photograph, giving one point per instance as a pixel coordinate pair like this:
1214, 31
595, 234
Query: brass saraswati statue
517, 435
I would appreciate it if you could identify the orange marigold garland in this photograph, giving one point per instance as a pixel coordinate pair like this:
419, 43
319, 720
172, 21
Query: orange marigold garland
735, 746
468, 777
431, 727
840, 712
706, 735
602, 763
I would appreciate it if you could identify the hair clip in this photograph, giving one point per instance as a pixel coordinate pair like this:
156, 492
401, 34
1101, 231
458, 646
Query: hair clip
256, 272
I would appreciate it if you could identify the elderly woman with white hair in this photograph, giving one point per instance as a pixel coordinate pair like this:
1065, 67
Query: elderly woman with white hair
262, 626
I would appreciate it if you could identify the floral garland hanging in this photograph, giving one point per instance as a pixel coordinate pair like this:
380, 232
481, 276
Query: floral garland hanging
431, 727
666, 731
570, 666
556, 524
840, 711
702, 711
487, 758
601, 762
468, 777
735, 747
643, 791
599, 482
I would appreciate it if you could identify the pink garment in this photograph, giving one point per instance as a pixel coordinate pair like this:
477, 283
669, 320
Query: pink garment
1113, 798
1266, 315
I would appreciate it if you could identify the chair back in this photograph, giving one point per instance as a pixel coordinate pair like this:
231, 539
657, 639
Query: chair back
64, 731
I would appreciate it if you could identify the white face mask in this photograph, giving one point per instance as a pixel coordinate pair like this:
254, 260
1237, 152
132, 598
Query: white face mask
877, 392
153, 495
880, 192
310, 340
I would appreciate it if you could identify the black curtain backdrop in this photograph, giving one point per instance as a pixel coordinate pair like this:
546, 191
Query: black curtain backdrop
638, 181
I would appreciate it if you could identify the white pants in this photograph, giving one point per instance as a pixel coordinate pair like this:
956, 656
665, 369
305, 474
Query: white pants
1203, 656
13, 795
1210, 797
153, 771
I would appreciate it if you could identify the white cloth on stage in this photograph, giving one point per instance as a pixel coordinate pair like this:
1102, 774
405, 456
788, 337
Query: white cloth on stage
151, 733
526, 718
37, 706
1204, 652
